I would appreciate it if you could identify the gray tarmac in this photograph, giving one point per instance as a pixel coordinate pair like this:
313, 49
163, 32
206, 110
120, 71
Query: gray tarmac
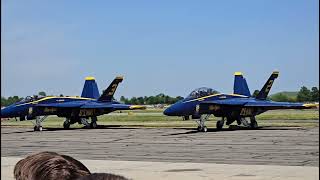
284, 146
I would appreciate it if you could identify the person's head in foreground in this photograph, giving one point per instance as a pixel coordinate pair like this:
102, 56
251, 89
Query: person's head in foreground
49, 166
102, 176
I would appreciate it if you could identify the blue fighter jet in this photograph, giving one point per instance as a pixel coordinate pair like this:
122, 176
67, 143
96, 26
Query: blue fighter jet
74, 109
203, 102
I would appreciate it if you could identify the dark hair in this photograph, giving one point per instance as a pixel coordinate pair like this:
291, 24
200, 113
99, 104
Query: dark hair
50, 166
102, 176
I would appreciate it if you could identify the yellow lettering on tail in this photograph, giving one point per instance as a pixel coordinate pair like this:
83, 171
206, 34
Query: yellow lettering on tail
114, 86
269, 86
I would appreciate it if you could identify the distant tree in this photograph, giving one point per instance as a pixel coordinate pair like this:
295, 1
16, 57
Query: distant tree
133, 100
255, 93
140, 100
179, 98
42, 93
166, 99
315, 94
279, 97
3, 101
145, 99
158, 99
151, 100
61, 95
10, 100
176, 99
304, 95
123, 99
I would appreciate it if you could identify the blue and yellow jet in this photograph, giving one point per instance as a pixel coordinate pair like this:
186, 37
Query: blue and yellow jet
203, 102
74, 109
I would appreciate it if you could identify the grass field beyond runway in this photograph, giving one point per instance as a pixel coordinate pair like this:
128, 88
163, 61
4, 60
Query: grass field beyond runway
155, 118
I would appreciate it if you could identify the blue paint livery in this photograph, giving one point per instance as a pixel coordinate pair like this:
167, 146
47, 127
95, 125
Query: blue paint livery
74, 109
240, 85
233, 107
90, 89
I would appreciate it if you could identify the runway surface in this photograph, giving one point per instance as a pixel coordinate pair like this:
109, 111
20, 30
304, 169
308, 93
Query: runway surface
286, 146
142, 170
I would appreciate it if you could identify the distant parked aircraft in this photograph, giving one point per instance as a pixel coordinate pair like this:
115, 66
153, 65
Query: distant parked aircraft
203, 102
74, 109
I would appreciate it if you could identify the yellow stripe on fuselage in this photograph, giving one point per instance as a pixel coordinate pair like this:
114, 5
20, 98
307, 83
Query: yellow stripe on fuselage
205, 97
53, 97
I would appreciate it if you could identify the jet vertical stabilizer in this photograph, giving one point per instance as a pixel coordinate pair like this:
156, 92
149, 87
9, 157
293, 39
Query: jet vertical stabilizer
107, 94
90, 89
267, 86
240, 85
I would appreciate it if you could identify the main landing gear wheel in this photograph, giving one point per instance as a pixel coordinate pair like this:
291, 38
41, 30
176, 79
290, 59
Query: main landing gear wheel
202, 129
253, 125
66, 125
201, 123
37, 124
93, 125
219, 125
37, 128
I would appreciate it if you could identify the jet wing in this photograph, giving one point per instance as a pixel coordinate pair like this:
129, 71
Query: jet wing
91, 105
226, 102
279, 105
229, 104
96, 105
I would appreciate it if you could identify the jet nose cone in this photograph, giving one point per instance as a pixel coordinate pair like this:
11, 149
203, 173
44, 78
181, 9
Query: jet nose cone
5, 112
173, 110
168, 111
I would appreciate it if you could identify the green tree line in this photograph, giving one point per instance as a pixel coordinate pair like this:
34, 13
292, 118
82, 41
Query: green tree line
148, 100
304, 95
9, 100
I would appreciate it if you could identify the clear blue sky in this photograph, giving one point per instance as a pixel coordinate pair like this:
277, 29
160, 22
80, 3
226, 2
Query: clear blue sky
160, 46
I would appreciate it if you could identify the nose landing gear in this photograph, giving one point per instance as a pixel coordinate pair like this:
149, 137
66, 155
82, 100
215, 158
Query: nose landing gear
66, 123
38, 122
93, 123
37, 128
220, 124
253, 123
201, 123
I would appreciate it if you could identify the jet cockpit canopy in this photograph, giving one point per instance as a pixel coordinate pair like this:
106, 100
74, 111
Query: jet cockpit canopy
31, 98
201, 92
